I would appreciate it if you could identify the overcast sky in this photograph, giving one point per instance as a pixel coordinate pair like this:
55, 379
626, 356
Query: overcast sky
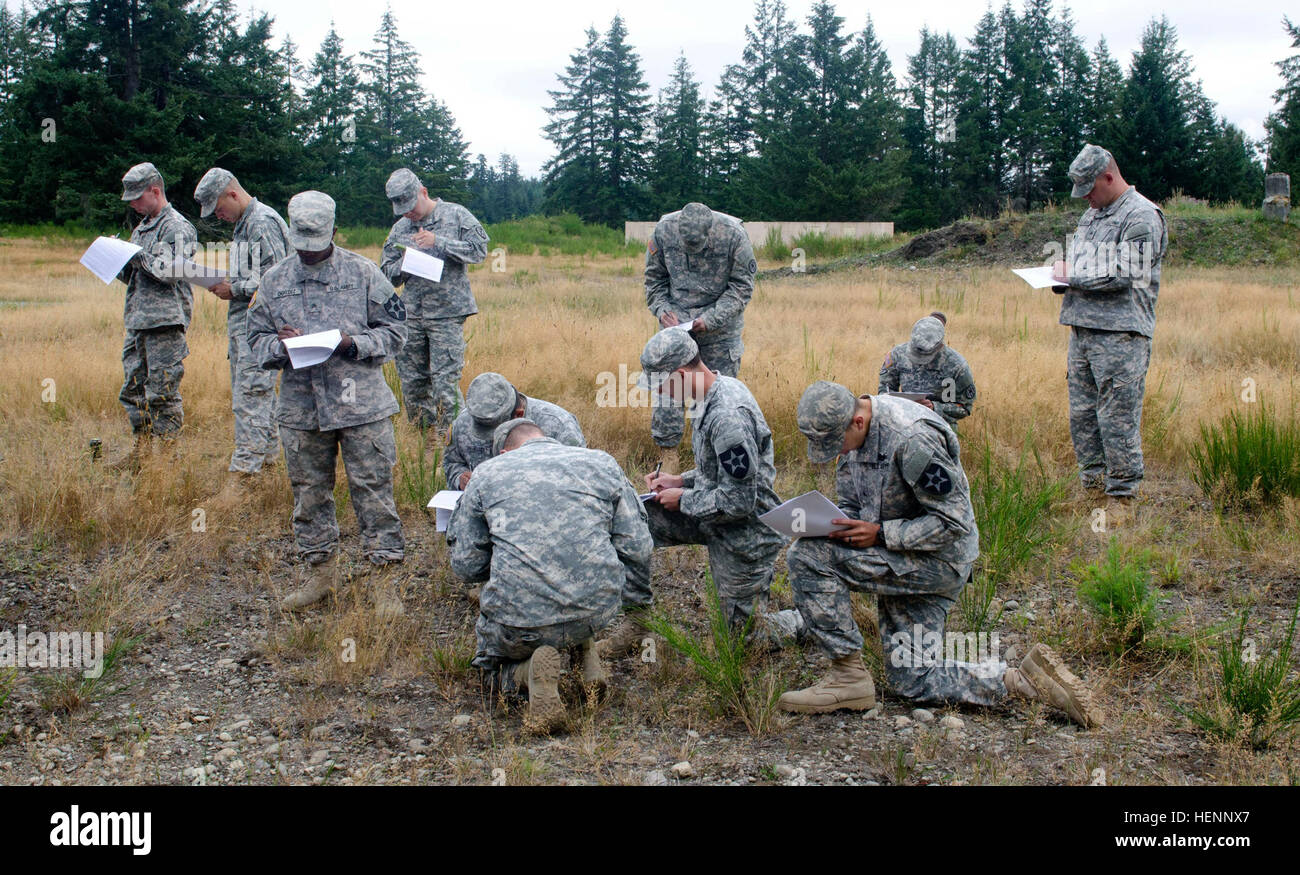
492, 64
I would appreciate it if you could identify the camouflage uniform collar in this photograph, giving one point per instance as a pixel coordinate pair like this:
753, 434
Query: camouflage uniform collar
433, 214
246, 216
1117, 202
322, 272
696, 410
149, 222
535, 440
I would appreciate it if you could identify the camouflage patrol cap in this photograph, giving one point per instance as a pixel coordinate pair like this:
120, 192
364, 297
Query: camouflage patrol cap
824, 415
502, 433
311, 221
670, 349
1090, 163
695, 222
210, 187
490, 402
403, 189
927, 337
138, 179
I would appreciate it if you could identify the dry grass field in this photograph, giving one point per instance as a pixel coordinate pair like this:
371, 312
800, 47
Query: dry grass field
212, 684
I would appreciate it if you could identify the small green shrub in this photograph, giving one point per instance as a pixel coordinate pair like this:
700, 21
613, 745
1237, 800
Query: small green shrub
1251, 699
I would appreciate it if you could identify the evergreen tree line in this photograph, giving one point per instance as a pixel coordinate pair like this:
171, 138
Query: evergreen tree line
812, 124
90, 87
809, 123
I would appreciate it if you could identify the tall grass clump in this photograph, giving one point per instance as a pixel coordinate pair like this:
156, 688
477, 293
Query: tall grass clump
1013, 508
1254, 699
722, 658
1248, 460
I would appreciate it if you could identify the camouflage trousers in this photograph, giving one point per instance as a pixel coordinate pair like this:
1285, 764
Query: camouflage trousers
368, 451
429, 365
912, 607
742, 558
668, 418
502, 648
253, 400
154, 362
1106, 375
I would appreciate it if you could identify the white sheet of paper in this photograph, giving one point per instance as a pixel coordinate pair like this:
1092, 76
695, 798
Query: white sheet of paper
443, 504
417, 263
106, 257
311, 349
647, 496
1037, 277
910, 396
805, 516
199, 274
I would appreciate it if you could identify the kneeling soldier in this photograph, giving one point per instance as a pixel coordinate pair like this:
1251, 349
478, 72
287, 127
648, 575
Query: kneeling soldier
548, 586
910, 537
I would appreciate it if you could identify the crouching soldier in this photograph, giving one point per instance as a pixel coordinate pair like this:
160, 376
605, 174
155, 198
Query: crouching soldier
909, 537
555, 533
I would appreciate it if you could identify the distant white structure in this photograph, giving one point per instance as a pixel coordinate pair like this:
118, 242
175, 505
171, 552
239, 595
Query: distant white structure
757, 231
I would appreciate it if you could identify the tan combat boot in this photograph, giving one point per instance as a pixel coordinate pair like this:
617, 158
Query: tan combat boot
624, 637
235, 491
848, 684
594, 676
134, 458
322, 578
1044, 678
540, 673
383, 593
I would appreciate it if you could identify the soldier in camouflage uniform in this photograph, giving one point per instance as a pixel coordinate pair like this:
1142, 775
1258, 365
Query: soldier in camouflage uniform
430, 363
716, 504
491, 401
1112, 280
341, 405
909, 536
699, 269
156, 313
546, 587
925, 364
261, 240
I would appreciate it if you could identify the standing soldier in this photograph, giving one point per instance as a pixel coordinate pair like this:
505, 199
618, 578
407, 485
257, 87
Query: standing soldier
547, 587
927, 365
909, 537
716, 504
699, 268
1109, 303
491, 401
156, 315
430, 363
261, 240
340, 406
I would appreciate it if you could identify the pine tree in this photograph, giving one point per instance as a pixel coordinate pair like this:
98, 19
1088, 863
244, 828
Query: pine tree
622, 117
572, 174
1072, 73
930, 130
333, 100
677, 165
1283, 124
1155, 149
980, 174
1105, 97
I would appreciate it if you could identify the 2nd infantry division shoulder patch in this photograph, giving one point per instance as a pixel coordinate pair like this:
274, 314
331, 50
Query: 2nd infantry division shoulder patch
735, 461
936, 480
395, 307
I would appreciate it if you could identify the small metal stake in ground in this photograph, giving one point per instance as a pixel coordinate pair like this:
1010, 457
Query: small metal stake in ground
96, 447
